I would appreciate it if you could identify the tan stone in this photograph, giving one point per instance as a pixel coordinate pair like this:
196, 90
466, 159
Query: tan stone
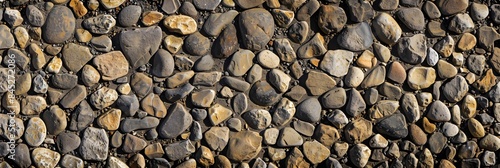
22, 36
78, 8
476, 129
421, 77
467, 42
110, 120
154, 151
110, 4
428, 126
469, 106
112, 65
150, 18
181, 24
486, 82
45, 158
173, 43
218, 113
366, 60
83, 35
205, 157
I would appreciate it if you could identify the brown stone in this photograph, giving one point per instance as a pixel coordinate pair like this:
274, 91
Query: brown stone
466, 42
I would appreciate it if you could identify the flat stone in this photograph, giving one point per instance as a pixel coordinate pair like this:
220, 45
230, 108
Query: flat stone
55, 120
196, 44
110, 120
150, 18
340, 59
421, 77
358, 130
240, 62
179, 78
466, 42
81, 117
206, 78
138, 45
455, 89
102, 43
35, 16
279, 79
131, 124
43, 157
179, 150
75, 56
187, 8
218, 114
33, 105
129, 15
361, 32
446, 70
67, 142
141, 84
476, 63
289, 137
326, 134
103, 97
244, 145
59, 25
313, 48
216, 22
71, 161
6, 37
283, 112
486, 82
203, 98
354, 77
355, 104
171, 6
267, 59
176, 115
284, 50
110, 4
315, 152
317, 88
478, 11
217, 138
256, 28
436, 29
431, 10
227, 42
35, 132
476, 129
111, 65
132, 144
94, 144
412, 18
235, 83
333, 99
22, 157
173, 43
374, 77
413, 49
451, 7
262, 93
486, 37
393, 126
438, 112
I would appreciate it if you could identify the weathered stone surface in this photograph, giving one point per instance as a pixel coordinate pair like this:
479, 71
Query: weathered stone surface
59, 25
176, 115
244, 146
139, 45
111, 65
256, 27
94, 144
